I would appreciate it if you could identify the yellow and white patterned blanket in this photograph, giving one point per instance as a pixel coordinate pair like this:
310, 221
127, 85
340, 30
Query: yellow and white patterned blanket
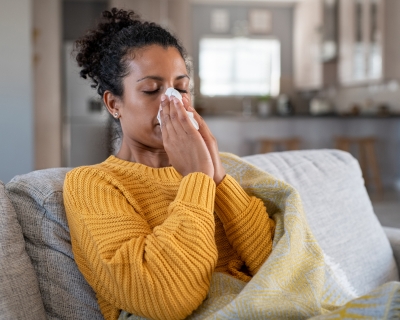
295, 282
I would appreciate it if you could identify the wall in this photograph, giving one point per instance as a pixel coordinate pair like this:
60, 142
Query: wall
85, 136
79, 16
16, 103
172, 14
47, 82
282, 29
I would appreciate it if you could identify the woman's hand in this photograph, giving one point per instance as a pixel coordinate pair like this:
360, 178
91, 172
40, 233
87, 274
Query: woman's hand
209, 139
186, 149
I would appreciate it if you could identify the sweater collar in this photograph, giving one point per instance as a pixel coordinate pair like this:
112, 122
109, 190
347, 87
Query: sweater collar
168, 173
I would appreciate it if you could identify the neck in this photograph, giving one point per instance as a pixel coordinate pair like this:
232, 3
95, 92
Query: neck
155, 158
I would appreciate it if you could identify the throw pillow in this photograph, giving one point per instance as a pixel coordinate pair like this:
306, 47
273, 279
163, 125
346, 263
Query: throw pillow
19, 290
38, 201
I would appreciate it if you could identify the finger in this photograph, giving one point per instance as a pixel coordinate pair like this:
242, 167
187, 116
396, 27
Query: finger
203, 128
173, 113
167, 125
183, 117
164, 103
186, 100
163, 126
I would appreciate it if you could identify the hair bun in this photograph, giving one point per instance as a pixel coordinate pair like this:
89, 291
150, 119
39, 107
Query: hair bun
101, 52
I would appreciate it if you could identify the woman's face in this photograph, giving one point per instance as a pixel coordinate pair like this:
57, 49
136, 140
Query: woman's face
152, 70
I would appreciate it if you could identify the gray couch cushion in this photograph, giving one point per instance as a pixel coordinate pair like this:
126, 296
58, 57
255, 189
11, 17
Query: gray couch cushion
38, 202
339, 212
19, 290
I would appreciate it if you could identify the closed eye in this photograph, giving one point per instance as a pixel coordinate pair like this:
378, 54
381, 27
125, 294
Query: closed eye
157, 90
151, 92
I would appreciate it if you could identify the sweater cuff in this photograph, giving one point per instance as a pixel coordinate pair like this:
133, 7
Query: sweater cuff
230, 199
199, 189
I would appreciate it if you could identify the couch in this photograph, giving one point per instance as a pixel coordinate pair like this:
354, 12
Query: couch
40, 280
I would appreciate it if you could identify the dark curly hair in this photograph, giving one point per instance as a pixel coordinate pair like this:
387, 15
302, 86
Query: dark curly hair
102, 53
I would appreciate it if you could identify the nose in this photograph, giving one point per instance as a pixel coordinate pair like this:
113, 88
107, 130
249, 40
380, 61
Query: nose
168, 87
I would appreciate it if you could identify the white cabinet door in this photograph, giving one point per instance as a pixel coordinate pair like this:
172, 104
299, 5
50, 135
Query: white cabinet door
369, 41
347, 28
390, 39
307, 35
361, 47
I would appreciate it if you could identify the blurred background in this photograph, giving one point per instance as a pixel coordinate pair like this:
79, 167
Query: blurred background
268, 75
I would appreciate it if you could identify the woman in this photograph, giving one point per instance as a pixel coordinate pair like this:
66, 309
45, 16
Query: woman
151, 224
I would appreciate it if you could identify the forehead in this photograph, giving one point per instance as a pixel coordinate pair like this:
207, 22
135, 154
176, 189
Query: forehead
156, 59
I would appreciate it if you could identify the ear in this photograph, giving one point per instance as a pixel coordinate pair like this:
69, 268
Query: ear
112, 103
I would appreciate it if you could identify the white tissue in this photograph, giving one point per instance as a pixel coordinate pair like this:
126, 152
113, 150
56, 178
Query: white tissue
172, 92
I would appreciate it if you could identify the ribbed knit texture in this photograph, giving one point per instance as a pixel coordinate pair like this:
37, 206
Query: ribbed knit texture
147, 239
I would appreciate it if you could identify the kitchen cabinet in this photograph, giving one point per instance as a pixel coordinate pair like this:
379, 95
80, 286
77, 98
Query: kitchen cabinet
368, 41
308, 70
315, 44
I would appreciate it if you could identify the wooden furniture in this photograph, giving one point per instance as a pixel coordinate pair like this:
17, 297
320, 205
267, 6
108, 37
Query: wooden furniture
269, 145
365, 149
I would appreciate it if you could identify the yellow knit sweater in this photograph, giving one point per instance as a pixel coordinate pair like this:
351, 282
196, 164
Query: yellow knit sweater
148, 240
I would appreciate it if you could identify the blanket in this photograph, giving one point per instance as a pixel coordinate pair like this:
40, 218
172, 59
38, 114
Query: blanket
297, 281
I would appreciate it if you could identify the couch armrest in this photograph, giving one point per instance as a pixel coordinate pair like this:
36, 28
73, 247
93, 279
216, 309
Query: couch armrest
393, 235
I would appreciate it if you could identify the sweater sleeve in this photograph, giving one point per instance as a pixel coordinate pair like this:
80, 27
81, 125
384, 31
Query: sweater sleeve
162, 273
248, 227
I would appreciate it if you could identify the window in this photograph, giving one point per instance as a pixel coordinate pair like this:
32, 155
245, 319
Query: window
239, 66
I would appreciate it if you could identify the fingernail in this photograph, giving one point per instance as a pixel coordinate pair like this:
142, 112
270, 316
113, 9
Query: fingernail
163, 97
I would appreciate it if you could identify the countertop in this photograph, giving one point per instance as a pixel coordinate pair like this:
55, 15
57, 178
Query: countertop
240, 116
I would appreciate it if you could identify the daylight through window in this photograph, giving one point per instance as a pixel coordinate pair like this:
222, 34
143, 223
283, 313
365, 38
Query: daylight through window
239, 66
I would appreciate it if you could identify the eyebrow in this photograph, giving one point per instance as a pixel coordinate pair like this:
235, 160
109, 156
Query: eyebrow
160, 78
